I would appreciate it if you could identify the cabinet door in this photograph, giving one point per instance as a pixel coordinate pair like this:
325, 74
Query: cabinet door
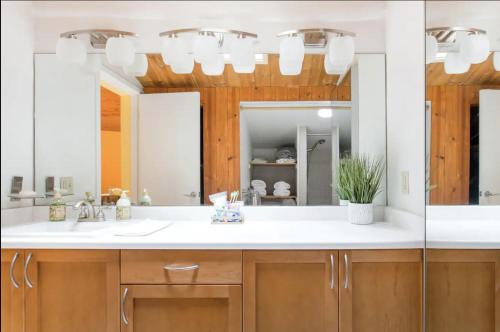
12, 290
181, 308
380, 291
287, 291
72, 290
463, 290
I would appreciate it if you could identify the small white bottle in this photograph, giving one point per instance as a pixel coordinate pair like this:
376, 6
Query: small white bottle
145, 198
123, 207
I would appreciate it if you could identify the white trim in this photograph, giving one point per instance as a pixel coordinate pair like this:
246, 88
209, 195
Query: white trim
295, 104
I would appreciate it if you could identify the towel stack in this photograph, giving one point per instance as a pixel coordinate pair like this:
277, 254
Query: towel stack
281, 188
259, 186
286, 155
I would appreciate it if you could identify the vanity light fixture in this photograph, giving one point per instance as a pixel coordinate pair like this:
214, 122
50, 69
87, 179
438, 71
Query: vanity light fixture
338, 47
462, 46
117, 44
207, 49
325, 113
139, 67
496, 61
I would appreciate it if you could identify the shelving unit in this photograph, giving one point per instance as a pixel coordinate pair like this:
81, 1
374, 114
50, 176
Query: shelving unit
271, 173
274, 164
272, 197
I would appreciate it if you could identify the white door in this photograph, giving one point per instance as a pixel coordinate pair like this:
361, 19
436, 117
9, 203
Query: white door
489, 147
169, 147
301, 147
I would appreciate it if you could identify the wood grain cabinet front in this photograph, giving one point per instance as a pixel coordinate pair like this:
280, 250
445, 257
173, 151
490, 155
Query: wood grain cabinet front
286, 291
380, 290
463, 290
181, 308
12, 290
72, 290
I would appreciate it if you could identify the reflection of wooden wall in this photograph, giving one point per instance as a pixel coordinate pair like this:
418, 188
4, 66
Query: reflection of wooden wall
450, 141
221, 134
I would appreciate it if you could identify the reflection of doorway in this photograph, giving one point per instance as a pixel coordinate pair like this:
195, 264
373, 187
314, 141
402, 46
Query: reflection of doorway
474, 156
115, 141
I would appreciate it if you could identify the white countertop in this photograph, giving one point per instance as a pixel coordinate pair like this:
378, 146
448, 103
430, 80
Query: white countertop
398, 230
463, 227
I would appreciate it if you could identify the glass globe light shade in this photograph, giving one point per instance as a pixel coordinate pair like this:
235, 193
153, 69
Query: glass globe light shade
139, 67
431, 49
325, 113
120, 51
291, 55
71, 50
205, 48
454, 64
332, 69
496, 61
214, 68
475, 48
184, 65
341, 50
242, 55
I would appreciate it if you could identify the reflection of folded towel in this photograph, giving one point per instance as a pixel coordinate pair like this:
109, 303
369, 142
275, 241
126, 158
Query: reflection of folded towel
281, 185
285, 161
281, 192
259, 160
258, 183
262, 192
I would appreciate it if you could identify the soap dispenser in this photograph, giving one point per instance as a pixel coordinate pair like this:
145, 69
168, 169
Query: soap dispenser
57, 208
145, 198
123, 207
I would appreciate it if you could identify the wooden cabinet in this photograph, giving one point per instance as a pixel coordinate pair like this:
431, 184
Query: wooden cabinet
463, 290
380, 291
12, 290
72, 290
181, 308
287, 291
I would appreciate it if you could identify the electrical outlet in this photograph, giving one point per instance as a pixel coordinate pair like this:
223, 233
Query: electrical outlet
66, 185
405, 183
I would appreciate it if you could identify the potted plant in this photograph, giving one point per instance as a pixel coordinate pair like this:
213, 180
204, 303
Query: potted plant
364, 177
343, 181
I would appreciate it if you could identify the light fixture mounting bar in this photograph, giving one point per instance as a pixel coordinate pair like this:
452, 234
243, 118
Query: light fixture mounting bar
316, 37
210, 31
98, 37
445, 35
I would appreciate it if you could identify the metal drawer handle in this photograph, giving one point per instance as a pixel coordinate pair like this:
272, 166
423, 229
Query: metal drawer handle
11, 271
346, 271
124, 297
26, 276
181, 268
332, 271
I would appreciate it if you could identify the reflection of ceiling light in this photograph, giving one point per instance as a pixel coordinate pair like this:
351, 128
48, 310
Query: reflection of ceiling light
120, 51
260, 58
325, 113
139, 67
338, 47
207, 49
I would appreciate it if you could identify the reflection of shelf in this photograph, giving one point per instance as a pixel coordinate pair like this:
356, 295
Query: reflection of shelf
20, 196
278, 197
273, 164
53, 193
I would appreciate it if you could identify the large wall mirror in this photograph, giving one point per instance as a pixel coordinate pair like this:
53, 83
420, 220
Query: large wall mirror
99, 130
462, 108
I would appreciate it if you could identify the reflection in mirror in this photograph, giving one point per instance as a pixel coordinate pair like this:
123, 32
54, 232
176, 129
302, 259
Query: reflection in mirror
170, 139
462, 115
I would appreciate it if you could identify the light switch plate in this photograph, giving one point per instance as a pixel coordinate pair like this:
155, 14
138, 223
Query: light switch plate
405, 182
66, 185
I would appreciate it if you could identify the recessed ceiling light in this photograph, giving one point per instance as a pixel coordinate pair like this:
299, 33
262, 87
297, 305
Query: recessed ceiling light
325, 113
260, 58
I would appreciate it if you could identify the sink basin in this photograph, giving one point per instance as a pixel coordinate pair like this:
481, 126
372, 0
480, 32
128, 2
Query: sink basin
57, 229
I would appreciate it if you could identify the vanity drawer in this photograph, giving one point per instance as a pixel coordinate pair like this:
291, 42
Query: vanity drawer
181, 267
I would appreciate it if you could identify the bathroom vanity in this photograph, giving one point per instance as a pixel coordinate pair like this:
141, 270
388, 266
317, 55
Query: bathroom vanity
264, 275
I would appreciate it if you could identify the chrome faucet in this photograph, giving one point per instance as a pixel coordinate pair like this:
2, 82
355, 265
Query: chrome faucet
88, 211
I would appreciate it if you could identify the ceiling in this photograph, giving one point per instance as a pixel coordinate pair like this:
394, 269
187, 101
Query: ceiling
480, 74
278, 127
313, 74
266, 18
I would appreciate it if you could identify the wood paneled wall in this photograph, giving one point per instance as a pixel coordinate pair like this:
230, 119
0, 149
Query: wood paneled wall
450, 141
221, 120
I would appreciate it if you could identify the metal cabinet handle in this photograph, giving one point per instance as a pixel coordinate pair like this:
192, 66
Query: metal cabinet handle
332, 271
181, 268
26, 276
124, 297
346, 271
11, 271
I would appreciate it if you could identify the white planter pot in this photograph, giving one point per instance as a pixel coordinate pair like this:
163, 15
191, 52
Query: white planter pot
343, 202
360, 214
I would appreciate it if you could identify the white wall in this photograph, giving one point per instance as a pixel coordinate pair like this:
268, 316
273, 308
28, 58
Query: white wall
245, 153
368, 131
17, 98
405, 25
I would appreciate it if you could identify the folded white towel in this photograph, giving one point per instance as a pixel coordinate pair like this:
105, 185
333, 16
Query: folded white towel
262, 192
259, 160
258, 183
286, 161
281, 185
281, 192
